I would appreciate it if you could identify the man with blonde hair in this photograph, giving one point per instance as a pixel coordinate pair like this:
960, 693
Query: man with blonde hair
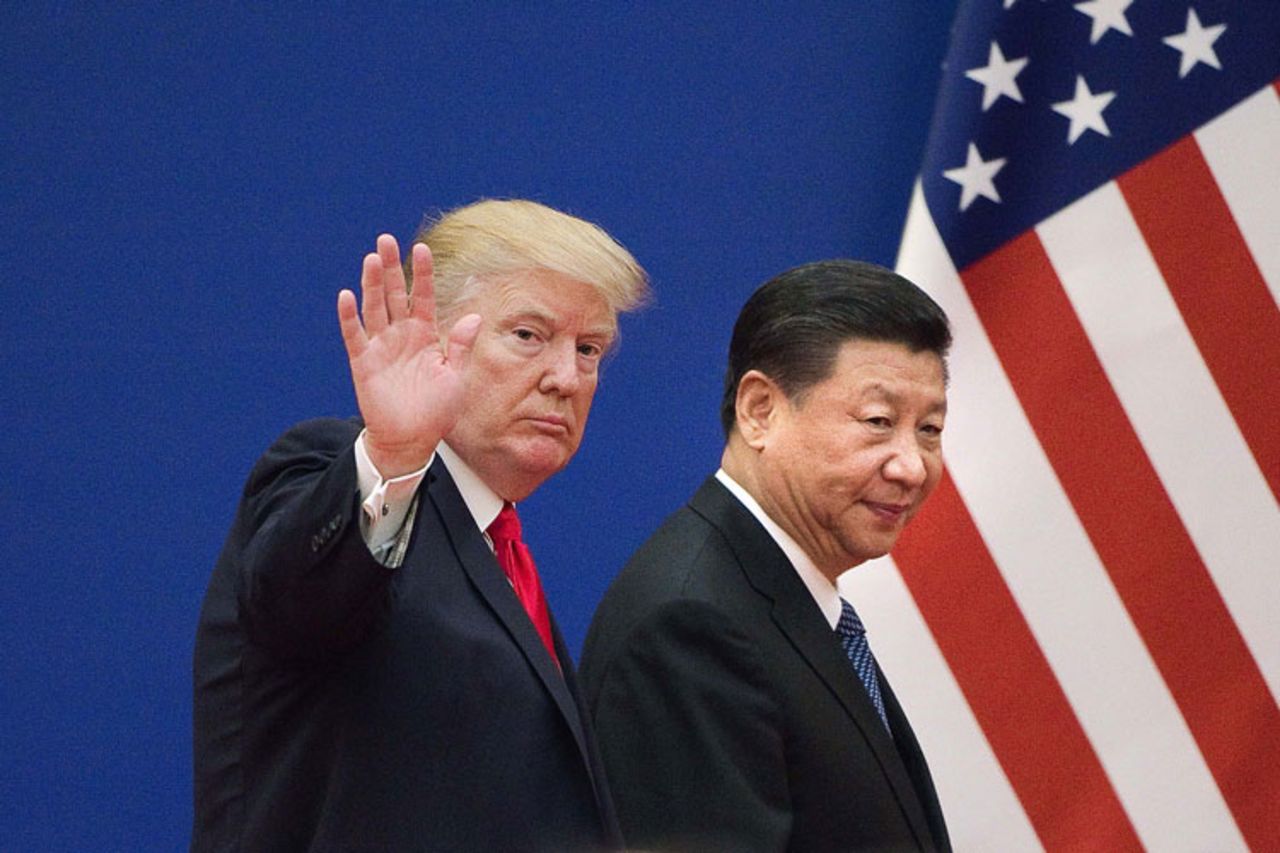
375, 666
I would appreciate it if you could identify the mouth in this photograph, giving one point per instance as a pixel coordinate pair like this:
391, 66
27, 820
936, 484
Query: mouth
551, 424
891, 513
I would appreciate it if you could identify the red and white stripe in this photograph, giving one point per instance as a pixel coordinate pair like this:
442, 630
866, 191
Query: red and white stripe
1084, 621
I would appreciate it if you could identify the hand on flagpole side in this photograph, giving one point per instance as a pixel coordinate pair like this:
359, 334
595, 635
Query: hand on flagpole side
408, 381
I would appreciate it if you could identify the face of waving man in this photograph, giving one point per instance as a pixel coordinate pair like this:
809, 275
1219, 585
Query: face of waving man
531, 376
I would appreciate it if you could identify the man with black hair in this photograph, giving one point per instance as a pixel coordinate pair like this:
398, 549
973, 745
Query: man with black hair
734, 692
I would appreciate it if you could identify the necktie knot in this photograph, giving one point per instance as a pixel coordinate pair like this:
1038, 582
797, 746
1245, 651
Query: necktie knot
506, 527
849, 625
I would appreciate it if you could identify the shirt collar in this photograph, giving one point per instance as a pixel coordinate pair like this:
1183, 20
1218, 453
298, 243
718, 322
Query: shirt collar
482, 501
824, 592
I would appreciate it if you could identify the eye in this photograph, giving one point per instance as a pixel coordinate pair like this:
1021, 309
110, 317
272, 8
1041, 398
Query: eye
879, 421
589, 350
524, 334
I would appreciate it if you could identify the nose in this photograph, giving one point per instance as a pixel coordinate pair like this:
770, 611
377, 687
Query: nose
560, 374
906, 464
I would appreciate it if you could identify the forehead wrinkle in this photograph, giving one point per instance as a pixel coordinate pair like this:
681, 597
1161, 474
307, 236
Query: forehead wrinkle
517, 296
517, 307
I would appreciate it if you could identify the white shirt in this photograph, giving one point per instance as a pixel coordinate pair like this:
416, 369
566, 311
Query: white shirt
824, 592
391, 505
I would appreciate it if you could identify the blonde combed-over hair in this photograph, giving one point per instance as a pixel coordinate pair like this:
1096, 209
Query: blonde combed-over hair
495, 238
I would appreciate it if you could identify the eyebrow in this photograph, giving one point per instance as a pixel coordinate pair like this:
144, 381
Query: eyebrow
526, 312
883, 391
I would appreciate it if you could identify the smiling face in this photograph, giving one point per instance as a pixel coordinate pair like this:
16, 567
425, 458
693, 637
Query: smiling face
844, 468
531, 376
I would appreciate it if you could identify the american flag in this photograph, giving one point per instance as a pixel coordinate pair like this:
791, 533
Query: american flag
1084, 620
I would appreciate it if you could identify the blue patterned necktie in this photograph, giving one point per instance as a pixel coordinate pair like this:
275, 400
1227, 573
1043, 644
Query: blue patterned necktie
854, 639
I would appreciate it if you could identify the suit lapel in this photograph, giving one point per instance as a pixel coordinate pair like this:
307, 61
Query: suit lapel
489, 581
917, 767
800, 619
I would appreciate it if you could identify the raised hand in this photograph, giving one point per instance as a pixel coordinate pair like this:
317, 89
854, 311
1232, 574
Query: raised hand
409, 383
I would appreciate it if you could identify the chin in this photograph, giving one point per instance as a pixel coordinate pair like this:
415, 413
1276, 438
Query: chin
542, 463
870, 550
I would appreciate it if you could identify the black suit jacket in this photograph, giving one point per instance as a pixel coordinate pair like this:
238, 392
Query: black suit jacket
340, 705
729, 717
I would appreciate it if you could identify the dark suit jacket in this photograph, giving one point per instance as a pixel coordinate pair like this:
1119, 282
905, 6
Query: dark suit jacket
340, 705
727, 714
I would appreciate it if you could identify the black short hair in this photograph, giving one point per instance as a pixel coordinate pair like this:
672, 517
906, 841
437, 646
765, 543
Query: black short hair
793, 326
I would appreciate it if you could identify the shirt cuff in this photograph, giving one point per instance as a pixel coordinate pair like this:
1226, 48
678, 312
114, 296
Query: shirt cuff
385, 503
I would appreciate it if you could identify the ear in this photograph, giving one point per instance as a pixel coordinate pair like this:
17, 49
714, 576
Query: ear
757, 407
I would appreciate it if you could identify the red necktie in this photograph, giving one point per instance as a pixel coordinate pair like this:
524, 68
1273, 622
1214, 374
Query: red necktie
517, 562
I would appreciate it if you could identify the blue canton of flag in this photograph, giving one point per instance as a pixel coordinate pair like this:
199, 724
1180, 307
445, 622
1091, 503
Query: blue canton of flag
1041, 102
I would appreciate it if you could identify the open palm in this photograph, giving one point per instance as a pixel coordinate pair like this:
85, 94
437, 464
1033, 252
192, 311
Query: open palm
409, 382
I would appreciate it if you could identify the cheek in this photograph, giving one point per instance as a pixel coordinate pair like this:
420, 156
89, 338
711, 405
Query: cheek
500, 381
482, 394
582, 400
492, 404
933, 466
933, 475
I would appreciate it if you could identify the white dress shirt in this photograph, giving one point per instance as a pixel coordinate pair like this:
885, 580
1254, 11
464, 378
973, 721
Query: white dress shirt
824, 592
390, 506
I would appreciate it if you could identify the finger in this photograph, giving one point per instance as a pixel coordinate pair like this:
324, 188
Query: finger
373, 300
353, 336
424, 285
461, 338
393, 276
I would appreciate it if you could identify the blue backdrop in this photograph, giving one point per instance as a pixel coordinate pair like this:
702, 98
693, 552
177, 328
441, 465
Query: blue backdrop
185, 189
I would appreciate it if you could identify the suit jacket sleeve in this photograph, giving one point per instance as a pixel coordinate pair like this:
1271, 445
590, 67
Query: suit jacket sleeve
308, 584
701, 768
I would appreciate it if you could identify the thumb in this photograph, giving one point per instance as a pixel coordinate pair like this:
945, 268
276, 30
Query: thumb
461, 337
